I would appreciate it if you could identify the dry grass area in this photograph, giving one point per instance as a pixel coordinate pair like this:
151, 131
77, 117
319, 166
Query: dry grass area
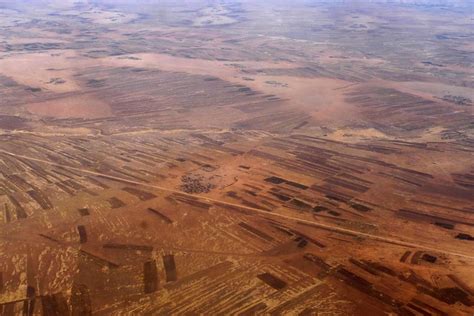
243, 158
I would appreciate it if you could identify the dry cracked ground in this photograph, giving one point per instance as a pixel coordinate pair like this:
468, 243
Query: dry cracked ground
236, 157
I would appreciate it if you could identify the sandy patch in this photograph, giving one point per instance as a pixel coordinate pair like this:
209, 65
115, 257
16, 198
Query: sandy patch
213, 16
82, 106
428, 90
319, 97
222, 69
108, 17
48, 131
435, 89
28, 40
49, 71
349, 134
65, 4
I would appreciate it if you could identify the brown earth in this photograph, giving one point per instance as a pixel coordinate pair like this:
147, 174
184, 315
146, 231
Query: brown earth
236, 158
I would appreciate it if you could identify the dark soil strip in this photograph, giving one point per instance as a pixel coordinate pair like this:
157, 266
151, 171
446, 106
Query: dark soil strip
170, 268
115, 202
419, 309
20, 211
49, 238
364, 286
98, 183
83, 211
363, 266
41, 199
128, 247
100, 260
429, 307
150, 277
416, 257
54, 305
142, 195
214, 271
272, 281
82, 234
29, 304
80, 300
165, 218
8, 309
252, 310
285, 308
405, 256
257, 232
461, 284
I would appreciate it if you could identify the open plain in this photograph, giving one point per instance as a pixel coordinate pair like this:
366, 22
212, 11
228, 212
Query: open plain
236, 157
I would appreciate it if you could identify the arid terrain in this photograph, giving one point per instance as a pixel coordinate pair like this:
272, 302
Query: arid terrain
236, 157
